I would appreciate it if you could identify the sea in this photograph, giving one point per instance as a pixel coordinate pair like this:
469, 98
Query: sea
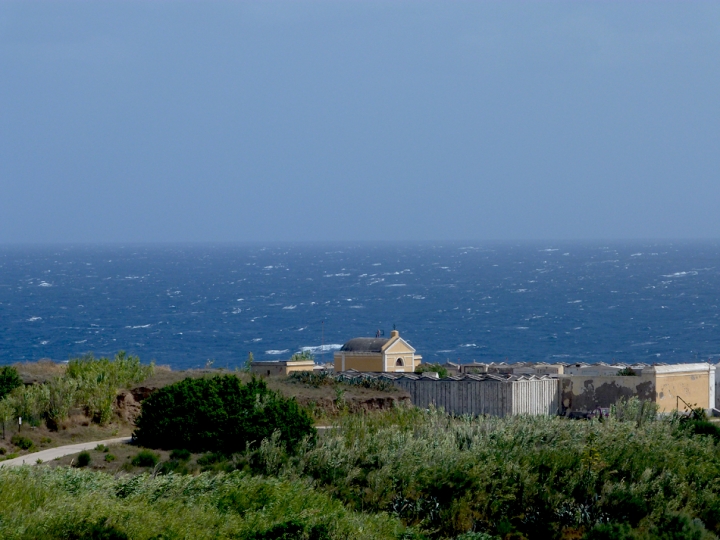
197, 305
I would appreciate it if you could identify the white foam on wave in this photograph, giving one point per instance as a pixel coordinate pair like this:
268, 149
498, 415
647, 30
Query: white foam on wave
396, 285
257, 339
33, 319
575, 302
273, 351
356, 307
520, 290
82, 341
319, 349
236, 310
139, 326
44, 284
522, 327
636, 255
547, 250
469, 345
682, 274
44, 342
289, 307
446, 351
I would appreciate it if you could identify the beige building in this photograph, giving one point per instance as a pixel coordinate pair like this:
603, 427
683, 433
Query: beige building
586, 388
270, 368
377, 355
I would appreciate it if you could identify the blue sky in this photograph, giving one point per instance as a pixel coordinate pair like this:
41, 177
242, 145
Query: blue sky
342, 121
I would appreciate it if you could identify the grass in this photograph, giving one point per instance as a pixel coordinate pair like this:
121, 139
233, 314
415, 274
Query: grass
66, 503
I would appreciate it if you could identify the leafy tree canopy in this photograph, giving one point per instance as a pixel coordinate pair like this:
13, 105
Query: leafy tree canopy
219, 414
9, 380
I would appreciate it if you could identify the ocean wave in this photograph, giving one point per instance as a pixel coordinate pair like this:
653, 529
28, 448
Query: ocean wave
396, 285
44, 284
319, 349
682, 274
44, 342
139, 326
33, 319
275, 352
257, 339
356, 307
469, 345
81, 341
289, 307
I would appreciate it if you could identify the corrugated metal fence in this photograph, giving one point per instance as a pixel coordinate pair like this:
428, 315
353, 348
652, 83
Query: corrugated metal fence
483, 394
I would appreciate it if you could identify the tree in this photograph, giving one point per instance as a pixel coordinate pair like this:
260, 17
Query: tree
9, 380
219, 414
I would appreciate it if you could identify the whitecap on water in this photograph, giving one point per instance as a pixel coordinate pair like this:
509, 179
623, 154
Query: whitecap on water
289, 307
321, 348
682, 274
44, 284
396, 285
33, 319
273, 351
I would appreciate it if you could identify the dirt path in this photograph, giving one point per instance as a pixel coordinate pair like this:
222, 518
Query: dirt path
60, 451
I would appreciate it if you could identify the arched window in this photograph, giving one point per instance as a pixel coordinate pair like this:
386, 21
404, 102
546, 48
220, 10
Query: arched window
399, 362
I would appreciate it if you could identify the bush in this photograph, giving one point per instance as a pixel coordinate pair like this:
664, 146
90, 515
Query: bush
109, 458
180, 454
22, 442
436, 368
219, 414
83, 459
9, 380
145, 458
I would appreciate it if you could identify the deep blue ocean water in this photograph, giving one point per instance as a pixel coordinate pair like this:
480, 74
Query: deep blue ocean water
184, 305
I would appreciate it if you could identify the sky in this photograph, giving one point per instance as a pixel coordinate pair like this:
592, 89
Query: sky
358, 121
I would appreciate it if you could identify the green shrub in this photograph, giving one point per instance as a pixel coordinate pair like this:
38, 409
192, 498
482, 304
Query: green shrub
9, 380
101, 448
610, 531
83, 459
145, 458
436, 368
109, 458
219, 414
21, 442
60, 503
180, 454
2, 450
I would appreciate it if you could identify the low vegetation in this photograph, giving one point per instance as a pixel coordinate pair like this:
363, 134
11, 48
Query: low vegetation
432, 368
78, 504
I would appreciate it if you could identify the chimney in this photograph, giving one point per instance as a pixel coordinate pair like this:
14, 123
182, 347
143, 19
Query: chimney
394, 334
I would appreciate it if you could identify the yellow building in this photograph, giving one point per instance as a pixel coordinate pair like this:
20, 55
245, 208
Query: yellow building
269, 368
585, 388
378, 355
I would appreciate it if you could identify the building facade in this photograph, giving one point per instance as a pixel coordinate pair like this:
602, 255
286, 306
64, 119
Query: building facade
377, 355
